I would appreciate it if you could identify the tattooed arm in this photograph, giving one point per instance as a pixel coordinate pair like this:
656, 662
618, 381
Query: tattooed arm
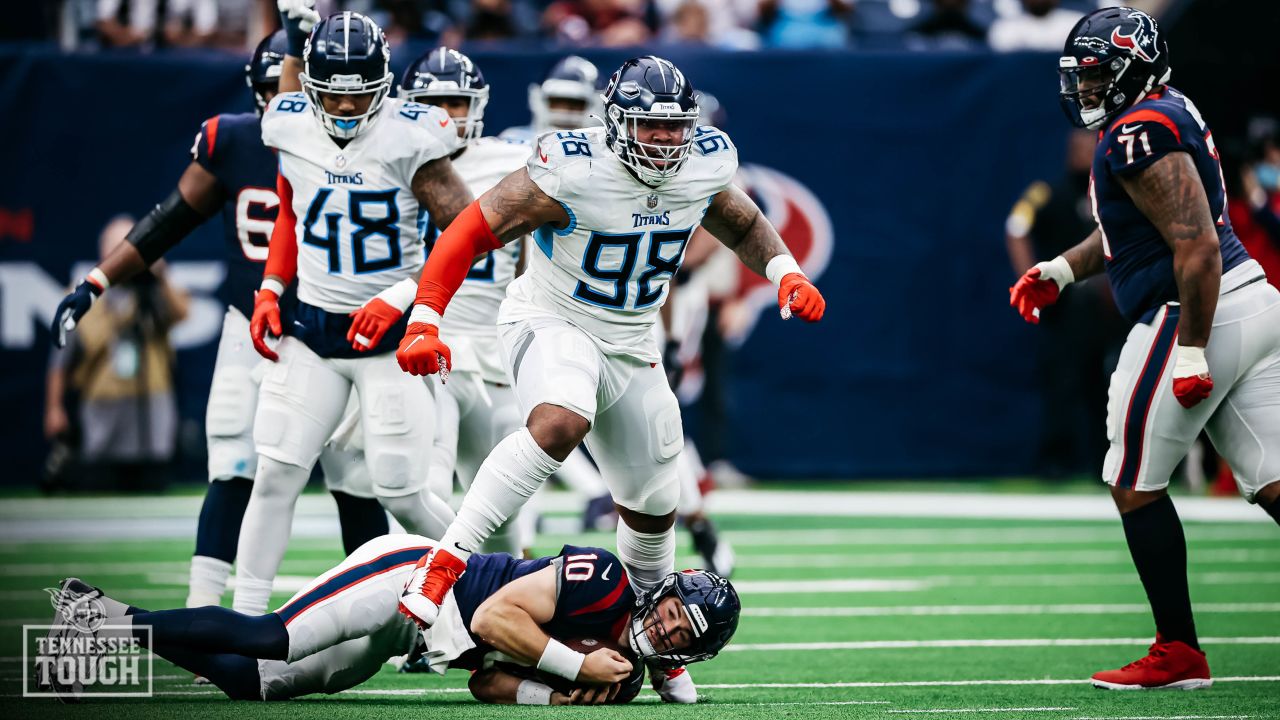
1086, 259
1170, 193
439, 189
516, 206
736, 221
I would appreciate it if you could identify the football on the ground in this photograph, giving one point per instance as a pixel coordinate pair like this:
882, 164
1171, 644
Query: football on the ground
630, 687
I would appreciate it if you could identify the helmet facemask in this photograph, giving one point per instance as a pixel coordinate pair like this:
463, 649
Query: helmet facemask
547, 118
1090, 94
345, 127
653, 163
649, 633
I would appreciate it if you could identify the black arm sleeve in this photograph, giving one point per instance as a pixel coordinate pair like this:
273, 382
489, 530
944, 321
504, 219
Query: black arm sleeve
165, 226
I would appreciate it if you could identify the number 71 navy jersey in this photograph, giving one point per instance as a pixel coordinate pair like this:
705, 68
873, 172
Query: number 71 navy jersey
230, 148
1139, 261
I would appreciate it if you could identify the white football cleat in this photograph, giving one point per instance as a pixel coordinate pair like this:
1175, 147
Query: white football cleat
675, 686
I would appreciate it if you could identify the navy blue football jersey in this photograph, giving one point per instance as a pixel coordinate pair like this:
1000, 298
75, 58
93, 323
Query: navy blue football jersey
230, 147
1139, 261
594, 598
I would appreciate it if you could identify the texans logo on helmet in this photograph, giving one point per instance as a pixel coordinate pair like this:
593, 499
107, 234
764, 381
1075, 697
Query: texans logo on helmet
1142, 41
804, 225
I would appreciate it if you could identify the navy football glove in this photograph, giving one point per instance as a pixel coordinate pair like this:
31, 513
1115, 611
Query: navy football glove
71, 309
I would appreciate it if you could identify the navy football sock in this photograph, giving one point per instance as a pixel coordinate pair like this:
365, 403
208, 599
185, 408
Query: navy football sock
215, 630
1159, 551
362, 519
218, 531
235, 675
1274, 510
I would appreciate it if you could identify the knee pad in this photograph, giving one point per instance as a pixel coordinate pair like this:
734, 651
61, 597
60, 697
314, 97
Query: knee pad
395, 472
283, 436
233, 395
665, 429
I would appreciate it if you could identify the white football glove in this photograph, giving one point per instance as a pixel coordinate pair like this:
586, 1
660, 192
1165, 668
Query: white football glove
303, 12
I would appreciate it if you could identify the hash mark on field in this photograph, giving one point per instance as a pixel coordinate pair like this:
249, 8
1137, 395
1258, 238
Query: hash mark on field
982, 643
912, 610
982, 710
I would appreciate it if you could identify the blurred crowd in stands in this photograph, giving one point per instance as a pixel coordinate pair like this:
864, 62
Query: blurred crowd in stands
1003, 25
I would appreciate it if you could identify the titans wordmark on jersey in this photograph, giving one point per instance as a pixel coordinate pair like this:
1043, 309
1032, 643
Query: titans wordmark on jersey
357, 217
607, 271
470, 325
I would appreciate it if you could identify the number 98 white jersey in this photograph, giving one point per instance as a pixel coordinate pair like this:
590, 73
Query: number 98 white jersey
357, 225
608, 270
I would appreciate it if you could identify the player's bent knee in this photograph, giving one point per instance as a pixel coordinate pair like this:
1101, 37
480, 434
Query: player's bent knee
1128, 500
557, 430
393, 472
646, 523
1268, 495
483, 685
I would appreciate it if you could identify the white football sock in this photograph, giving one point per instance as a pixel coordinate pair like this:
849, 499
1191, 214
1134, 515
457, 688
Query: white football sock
421, 513
208, 581
648, 557
580, 475
264, 532
515, 469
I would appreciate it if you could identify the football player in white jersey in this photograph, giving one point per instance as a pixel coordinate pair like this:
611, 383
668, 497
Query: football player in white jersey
612, 210
355, 166
477, 408
566, 99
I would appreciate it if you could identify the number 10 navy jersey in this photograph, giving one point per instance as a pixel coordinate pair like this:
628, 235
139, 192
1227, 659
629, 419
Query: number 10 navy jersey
230, 148
1139, 261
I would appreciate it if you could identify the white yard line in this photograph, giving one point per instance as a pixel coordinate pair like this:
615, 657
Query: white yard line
948, 683
1117, 556
928, 610
938, 711
1165, 717
982, 643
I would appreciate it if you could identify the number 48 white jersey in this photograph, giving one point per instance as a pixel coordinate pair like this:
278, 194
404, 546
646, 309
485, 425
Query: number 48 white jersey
608, 270
357, 216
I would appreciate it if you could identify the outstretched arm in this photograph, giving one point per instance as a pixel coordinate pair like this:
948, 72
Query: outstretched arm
738, 223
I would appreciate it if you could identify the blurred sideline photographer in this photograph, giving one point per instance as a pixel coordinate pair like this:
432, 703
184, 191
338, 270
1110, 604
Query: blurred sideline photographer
114, 381
1084, 331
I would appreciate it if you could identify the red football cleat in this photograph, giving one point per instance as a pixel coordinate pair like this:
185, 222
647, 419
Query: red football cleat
1168, 665
435, 576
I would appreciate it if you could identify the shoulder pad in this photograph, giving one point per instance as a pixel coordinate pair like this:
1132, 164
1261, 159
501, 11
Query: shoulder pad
709, 140
431, 120
1143, 135
561, 158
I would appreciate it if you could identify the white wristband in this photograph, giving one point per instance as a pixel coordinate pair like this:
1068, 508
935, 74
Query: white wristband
1057, 270
781, 266
532, 692
1190, 361
559, 659
400, 296
273, 285
424, 314
99, 278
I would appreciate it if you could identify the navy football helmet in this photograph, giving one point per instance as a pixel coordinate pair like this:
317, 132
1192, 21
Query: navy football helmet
709, 601
650, 92
445, 72
262, 73
346, 54
574, 79
1113, 57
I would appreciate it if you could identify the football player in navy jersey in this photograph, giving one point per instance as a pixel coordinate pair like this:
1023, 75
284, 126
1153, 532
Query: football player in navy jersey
504, 621
232, 171
1204, 352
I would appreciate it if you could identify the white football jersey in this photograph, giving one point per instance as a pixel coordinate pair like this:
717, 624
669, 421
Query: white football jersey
470, 323
608, 270
357, 216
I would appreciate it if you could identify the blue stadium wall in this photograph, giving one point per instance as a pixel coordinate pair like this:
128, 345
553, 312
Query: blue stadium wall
919, 368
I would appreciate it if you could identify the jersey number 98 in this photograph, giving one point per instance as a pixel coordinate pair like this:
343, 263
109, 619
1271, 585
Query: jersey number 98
660, 260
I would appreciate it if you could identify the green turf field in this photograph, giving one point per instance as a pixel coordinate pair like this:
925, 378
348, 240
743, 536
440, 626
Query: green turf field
875, 617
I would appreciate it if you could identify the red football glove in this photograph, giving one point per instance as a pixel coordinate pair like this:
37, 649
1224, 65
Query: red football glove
370, 323
266, 315
421, 351
1031, 294
799, 297
1191, 380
